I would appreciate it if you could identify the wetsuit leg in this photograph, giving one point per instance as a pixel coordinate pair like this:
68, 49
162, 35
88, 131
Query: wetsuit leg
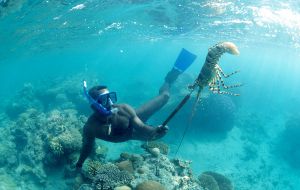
88, 143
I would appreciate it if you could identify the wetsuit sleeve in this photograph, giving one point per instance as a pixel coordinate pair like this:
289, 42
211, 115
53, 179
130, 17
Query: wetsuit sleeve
88, 142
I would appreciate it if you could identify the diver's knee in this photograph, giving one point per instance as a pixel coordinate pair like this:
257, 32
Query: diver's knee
166, 96
165, 88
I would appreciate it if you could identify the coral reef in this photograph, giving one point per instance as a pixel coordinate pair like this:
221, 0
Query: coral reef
164, 171
143, 172
90, 168
163, 147
36, 140
109, 176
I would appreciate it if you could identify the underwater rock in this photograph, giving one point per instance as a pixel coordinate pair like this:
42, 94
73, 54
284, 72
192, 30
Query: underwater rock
155, 152
150, 185
24, 100
35, 174
208, 182
4, 3
288, 144
214, 117
124, 187
215, 114
7, 182
125, 156
126, 166
85, 187
223, 182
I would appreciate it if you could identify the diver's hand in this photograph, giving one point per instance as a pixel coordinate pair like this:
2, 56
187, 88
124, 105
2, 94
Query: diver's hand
162, 129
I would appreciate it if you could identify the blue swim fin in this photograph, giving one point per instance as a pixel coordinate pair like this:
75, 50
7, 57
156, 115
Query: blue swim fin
184, 60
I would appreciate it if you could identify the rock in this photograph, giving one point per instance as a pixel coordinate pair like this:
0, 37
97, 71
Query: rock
223, 182
155, 152
150, 185
141, 170
124, 187
125, 156
208, 182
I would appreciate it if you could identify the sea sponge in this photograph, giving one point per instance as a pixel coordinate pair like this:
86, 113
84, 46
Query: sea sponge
163, 147
150, 185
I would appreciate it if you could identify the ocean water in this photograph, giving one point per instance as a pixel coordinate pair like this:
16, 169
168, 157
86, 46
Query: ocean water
47, 47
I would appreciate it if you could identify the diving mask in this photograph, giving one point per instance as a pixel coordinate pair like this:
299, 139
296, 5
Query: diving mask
103, 102
107, 99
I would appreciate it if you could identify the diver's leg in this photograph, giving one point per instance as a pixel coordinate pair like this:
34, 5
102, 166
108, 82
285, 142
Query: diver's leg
148, 109
183, 61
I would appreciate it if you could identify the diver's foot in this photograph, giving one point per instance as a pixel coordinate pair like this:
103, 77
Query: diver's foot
172, 76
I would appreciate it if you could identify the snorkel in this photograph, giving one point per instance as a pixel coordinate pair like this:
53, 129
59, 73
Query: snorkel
100, 108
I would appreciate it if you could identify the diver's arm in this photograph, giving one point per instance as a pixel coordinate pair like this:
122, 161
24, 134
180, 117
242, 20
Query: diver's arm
143, 131
88, 142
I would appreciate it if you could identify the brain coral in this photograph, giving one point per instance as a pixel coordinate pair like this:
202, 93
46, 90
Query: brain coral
109, 177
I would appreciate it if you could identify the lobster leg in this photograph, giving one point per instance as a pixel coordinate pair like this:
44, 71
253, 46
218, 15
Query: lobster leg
217, 84
223, 84
223, 74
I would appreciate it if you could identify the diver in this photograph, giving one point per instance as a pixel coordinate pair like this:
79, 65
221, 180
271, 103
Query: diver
120, 122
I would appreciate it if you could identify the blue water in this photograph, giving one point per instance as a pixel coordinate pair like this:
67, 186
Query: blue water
130, 45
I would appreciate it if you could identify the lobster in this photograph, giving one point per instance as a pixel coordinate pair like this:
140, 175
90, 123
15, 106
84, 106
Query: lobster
211, 74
